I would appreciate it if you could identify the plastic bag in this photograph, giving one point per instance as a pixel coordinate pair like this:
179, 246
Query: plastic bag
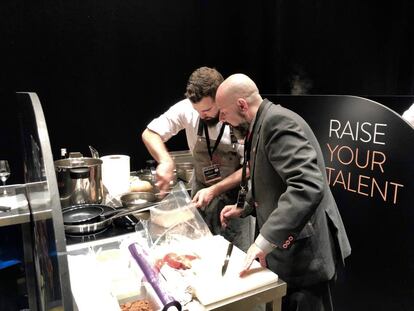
174, 219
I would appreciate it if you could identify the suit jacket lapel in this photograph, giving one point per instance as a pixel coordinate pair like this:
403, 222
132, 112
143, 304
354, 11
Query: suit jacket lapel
264, 106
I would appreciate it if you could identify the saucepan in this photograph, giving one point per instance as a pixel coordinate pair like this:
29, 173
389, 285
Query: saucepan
91, 218
79, 180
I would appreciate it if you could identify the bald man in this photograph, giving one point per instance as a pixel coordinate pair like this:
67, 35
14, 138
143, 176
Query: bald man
302, 236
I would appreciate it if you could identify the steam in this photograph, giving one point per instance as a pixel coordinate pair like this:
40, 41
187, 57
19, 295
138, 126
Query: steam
300, 84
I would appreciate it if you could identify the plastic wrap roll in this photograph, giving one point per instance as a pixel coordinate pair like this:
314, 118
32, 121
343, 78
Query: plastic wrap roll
152, 277
115, 174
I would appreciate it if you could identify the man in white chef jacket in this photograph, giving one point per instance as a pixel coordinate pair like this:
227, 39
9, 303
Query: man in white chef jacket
216, 151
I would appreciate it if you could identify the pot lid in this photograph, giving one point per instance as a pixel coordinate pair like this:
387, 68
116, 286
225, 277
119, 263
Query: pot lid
77, 162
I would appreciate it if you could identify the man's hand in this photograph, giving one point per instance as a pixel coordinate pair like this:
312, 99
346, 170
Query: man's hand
164, 175
229, 211
253, 253
203, 197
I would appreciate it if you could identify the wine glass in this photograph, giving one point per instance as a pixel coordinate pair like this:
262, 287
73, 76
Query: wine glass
4, 171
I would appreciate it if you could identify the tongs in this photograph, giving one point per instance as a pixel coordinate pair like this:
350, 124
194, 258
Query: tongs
120, 213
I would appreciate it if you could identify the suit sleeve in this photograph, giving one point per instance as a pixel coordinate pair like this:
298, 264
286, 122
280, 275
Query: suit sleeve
294, 159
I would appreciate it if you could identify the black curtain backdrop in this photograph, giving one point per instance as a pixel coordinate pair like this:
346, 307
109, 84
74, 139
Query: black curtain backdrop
103, 69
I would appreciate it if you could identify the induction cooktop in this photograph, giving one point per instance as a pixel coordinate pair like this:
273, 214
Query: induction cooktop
120, 226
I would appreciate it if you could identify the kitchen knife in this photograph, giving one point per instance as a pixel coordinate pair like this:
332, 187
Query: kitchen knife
226, 260
5, 208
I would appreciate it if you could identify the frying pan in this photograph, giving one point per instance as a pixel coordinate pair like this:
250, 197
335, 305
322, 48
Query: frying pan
133, 199
77, 214
101, 222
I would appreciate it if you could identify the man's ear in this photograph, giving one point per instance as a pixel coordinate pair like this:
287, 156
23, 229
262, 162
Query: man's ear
242, 104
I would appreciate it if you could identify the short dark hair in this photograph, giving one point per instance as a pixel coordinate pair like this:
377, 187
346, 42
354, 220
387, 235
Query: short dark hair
203, 82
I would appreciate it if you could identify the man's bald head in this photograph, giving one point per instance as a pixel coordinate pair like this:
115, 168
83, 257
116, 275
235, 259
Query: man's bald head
238, 86
237, 96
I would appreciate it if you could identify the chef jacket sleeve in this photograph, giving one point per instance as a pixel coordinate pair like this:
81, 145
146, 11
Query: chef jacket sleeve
172, 121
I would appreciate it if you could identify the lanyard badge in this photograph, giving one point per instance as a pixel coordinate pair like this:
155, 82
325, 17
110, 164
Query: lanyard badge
241, 197
211, 173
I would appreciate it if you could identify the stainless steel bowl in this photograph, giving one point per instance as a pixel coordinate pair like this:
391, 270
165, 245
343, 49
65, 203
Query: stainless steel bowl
145, 174
185, 171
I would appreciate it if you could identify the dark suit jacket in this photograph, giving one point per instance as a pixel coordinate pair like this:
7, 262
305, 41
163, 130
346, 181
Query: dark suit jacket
294, 206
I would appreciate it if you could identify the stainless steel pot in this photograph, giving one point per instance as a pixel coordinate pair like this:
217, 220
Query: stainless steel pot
79, 180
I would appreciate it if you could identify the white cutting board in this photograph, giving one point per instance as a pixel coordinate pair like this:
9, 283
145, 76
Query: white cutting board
90, 287
208, 283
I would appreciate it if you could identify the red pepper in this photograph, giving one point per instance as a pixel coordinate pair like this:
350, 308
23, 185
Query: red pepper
172, 259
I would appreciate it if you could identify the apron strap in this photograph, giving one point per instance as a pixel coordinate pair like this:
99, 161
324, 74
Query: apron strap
210, 152
200, 127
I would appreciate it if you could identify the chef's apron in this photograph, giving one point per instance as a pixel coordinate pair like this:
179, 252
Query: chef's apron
226, 156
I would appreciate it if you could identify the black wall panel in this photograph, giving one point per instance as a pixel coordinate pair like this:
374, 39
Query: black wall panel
104, 69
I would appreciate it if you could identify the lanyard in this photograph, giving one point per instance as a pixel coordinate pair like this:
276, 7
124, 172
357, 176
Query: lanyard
247, 147
232, 136
241, 196
210, 152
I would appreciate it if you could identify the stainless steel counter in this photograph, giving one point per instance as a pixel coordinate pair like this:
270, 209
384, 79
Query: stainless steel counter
105, 269
15, 198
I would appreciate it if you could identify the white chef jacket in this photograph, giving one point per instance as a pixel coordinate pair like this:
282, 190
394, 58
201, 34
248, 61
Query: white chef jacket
181, 116
408, 115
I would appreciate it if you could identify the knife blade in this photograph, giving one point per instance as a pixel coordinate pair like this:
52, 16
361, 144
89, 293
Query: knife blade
226, 260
